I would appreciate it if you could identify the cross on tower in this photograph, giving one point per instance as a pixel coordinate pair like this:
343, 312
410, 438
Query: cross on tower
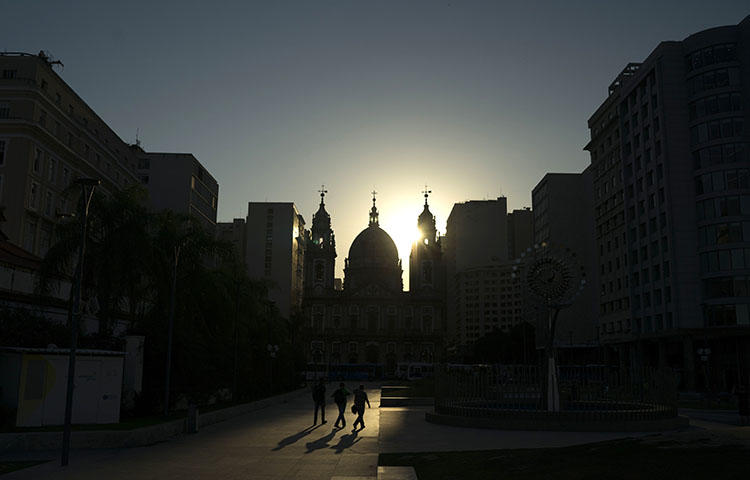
322, 193
426, 194
373, 197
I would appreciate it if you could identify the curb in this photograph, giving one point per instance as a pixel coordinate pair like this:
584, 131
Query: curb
407, 401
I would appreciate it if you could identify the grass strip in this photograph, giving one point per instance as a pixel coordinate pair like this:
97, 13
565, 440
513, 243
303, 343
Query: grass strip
619, 459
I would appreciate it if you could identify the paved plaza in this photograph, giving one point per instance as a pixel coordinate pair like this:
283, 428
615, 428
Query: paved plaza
279, 442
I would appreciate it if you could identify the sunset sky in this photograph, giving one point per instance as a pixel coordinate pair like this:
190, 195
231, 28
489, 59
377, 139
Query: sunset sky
474, 99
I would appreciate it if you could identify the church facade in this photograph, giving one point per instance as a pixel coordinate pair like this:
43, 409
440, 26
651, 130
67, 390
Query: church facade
372, 322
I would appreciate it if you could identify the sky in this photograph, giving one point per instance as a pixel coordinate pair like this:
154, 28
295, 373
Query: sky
474, 99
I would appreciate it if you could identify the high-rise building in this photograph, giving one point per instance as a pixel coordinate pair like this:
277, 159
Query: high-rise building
275, 251
234, 233
611, 268
48, 138
178, 182
563, 211
477, 233
520, 232
682, 157
480, 244
487, 299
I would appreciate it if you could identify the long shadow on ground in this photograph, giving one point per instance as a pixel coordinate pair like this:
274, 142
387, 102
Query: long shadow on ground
322, 442
346, 441
293, 438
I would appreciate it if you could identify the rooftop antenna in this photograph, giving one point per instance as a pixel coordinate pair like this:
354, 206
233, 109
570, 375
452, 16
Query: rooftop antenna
137, 140
47, 57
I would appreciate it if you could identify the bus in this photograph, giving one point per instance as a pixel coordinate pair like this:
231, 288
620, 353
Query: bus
414, 370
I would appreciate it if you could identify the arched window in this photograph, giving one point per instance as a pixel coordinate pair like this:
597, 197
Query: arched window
320, 268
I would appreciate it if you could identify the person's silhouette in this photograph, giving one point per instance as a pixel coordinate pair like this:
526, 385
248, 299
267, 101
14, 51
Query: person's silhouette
319, 397
339, 396
360, 398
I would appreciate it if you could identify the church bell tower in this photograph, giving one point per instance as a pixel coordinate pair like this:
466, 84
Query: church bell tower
320, 254
426, 272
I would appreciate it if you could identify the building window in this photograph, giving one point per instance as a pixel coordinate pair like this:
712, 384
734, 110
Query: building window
65, 176
51, 170
10, 74
33, 195
319, 270
37, 166
4, 110
2, 152
48, 204
29, 237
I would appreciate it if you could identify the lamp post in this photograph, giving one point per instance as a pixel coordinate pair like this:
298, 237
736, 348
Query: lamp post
170, 328
87, 192
272, 350
238, 284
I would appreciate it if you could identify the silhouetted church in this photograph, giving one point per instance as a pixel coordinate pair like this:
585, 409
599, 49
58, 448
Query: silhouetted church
372, 322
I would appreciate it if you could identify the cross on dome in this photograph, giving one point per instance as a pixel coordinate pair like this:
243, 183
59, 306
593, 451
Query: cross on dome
374, 211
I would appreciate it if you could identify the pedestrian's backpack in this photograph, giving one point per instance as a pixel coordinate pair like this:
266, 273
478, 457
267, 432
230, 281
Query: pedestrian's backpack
339, 396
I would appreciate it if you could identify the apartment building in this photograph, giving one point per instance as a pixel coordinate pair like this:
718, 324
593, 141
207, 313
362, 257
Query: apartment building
563, 210
682, 118
49, 137
179, 182
275, 251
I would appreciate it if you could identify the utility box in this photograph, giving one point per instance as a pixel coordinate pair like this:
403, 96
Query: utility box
34, 381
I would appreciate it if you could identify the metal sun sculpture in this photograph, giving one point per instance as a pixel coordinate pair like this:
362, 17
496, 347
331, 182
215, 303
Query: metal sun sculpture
553, 278
551, 274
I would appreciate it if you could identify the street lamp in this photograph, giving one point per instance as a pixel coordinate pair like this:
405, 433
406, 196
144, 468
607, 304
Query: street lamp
87, 192
172, 300
272, 351
238, 284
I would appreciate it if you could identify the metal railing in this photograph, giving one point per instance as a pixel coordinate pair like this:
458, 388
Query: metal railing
586, 392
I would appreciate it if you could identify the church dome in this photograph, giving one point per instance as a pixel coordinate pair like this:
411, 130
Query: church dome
373, 259
373, 247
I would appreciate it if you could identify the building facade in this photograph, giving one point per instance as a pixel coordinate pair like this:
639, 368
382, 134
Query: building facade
275, 252
234, 233
488, 299
682, 117
520, 232
49, 137
178, 182
563, 209
372, 323
476, 236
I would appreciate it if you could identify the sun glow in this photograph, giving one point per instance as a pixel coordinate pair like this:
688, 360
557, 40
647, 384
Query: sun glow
402, 227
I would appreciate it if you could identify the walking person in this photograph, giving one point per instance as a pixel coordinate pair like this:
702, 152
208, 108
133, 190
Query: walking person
360, 398
743, 402
319, 397
339, 396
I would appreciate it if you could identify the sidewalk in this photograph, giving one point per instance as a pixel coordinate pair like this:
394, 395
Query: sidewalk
277, 442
